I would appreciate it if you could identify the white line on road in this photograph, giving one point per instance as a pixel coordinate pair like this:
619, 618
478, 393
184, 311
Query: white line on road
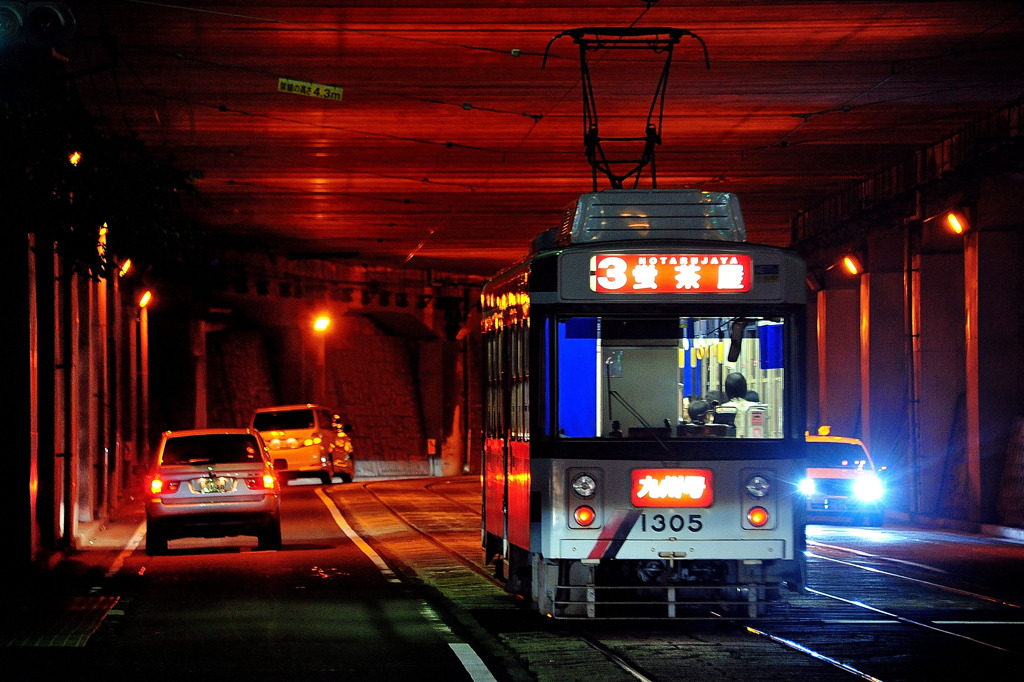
354, 537
136, 538
476, 668
471, 662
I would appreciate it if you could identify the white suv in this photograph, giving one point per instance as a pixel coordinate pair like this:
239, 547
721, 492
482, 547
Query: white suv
212, 483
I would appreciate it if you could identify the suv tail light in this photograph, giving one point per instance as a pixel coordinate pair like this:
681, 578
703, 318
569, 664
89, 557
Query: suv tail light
158, 486
266, 482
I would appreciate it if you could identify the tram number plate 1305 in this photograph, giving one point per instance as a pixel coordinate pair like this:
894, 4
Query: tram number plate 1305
676, 523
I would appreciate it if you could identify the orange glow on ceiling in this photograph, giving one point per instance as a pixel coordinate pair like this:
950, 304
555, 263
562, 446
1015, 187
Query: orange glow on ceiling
448, 118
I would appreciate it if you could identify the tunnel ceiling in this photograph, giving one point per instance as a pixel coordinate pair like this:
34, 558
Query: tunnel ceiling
454, 143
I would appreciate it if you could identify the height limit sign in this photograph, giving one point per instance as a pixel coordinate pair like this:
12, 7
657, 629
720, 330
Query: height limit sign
328, 92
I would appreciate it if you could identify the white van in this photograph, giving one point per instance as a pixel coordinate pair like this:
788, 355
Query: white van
310, 437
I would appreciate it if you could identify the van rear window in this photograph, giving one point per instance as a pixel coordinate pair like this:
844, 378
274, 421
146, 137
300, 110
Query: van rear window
284, 420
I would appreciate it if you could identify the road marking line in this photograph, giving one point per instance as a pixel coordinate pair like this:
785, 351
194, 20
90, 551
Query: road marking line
127, 551
355, 538
866, 555
859, 621
978, 622
471, 662
476, 668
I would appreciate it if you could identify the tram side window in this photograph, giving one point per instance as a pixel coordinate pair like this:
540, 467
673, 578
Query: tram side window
507, 393
620, 377
520, 382
493, 358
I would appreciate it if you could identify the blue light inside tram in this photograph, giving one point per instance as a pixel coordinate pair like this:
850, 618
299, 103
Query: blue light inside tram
577, 379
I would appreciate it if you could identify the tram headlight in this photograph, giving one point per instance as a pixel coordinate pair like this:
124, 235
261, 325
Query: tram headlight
868, 488
807, 487
584, 485
758, 486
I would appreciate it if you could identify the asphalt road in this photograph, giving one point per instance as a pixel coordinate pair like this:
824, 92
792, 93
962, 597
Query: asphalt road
356, 593
322, 608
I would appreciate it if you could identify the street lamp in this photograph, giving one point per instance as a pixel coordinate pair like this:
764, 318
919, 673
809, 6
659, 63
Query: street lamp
852, 265
321, 323
143, 415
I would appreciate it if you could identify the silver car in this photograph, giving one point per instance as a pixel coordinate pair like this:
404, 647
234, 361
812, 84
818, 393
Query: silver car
213, 483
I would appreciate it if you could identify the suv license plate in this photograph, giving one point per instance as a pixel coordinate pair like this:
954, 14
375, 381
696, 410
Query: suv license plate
219, 484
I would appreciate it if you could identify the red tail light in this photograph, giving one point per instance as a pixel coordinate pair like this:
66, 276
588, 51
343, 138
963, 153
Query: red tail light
584, 515
158, 486
267, 482
757, 516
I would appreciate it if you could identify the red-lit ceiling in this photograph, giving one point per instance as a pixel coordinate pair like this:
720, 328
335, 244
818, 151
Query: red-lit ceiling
452, 147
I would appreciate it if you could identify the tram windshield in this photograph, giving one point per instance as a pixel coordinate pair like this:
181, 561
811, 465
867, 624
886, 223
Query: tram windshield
670, 377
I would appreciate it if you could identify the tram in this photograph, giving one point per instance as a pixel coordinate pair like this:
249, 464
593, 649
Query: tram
619, 478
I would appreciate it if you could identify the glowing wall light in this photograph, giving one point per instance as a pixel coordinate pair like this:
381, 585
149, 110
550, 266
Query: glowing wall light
957, 222
851, 265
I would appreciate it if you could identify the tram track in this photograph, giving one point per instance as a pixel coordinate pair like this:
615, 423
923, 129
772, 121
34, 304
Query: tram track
446, 516
884, 599
431, 529
899, 576
928, 584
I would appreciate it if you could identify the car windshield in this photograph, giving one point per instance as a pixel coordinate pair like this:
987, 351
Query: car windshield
284, 420
211, 449
837, 455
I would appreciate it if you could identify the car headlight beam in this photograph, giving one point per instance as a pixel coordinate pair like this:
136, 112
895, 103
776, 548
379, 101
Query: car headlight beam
868, 488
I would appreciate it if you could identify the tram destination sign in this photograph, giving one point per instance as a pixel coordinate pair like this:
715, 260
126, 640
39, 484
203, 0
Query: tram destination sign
670, 273
672, 488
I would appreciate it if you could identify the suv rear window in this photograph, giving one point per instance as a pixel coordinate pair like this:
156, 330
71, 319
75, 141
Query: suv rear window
212, 449
283, 421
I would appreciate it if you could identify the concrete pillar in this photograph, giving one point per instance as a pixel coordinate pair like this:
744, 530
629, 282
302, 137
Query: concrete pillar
87, 375
883, 372
197, 342
838, 360
934, 468
993, 303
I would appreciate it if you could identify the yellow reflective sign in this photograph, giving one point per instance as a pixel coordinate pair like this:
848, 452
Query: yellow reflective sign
328, 92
